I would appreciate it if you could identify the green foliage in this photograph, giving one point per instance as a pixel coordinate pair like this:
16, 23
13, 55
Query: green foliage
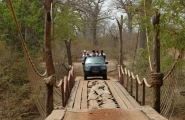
166, 64
141, 66
172, 33
30, 16
172, 25
144, 53
172, 30
66, 23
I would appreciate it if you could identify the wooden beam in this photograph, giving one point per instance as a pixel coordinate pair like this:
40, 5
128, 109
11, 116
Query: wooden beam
116, 95
84, 96
77, 103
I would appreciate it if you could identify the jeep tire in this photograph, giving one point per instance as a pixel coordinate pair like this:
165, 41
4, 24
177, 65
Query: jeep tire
105, 76
85, 77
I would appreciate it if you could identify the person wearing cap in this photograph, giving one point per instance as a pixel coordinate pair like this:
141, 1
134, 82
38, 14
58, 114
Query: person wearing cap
87, 52
84, 55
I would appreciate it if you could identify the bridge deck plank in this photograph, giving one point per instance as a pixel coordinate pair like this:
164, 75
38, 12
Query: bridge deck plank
73, 94
56, 115
116, 95
77, 103
122, 96
131, 99
84, 96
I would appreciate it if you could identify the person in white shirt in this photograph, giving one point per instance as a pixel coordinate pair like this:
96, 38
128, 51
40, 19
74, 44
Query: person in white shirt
93, 54
84, 55
97, 53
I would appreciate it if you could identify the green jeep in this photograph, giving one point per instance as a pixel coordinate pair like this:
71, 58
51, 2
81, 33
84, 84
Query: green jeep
95, 66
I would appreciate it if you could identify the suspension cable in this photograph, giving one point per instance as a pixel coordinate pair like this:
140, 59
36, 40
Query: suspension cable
148, 48
22, 40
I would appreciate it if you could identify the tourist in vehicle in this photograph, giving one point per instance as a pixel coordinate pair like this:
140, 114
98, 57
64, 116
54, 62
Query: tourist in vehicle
93, 54
97, 53
87, 53
102, 54
84, 55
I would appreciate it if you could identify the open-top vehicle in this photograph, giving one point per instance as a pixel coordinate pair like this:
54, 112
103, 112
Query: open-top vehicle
95, 66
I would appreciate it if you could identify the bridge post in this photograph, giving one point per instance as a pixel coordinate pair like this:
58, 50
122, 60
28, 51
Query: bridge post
157, 76
120, 76
157, 82
120, 26
48, 55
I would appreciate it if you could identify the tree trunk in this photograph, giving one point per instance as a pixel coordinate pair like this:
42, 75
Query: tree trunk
68, 47
157, 77
142, 38
120, 25
94, 30
48, 53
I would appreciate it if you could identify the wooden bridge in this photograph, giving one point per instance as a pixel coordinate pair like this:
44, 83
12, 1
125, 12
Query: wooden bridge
77, 107
71, 96
128, 109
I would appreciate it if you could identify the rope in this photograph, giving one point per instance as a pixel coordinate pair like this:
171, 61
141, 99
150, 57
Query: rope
173, 96
57, 96
37, 85
173, 67
168, 97
157, 79
165, 94
148, 48
168, 101
22, 40
168, 89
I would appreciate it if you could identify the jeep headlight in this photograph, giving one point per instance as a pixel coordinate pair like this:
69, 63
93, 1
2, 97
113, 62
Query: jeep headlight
87, 68
103, 67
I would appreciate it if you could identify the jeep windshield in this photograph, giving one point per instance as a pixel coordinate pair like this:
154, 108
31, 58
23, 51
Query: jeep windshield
94, 60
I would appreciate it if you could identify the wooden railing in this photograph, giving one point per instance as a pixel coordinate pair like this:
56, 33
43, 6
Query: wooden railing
126, 79
66, 85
